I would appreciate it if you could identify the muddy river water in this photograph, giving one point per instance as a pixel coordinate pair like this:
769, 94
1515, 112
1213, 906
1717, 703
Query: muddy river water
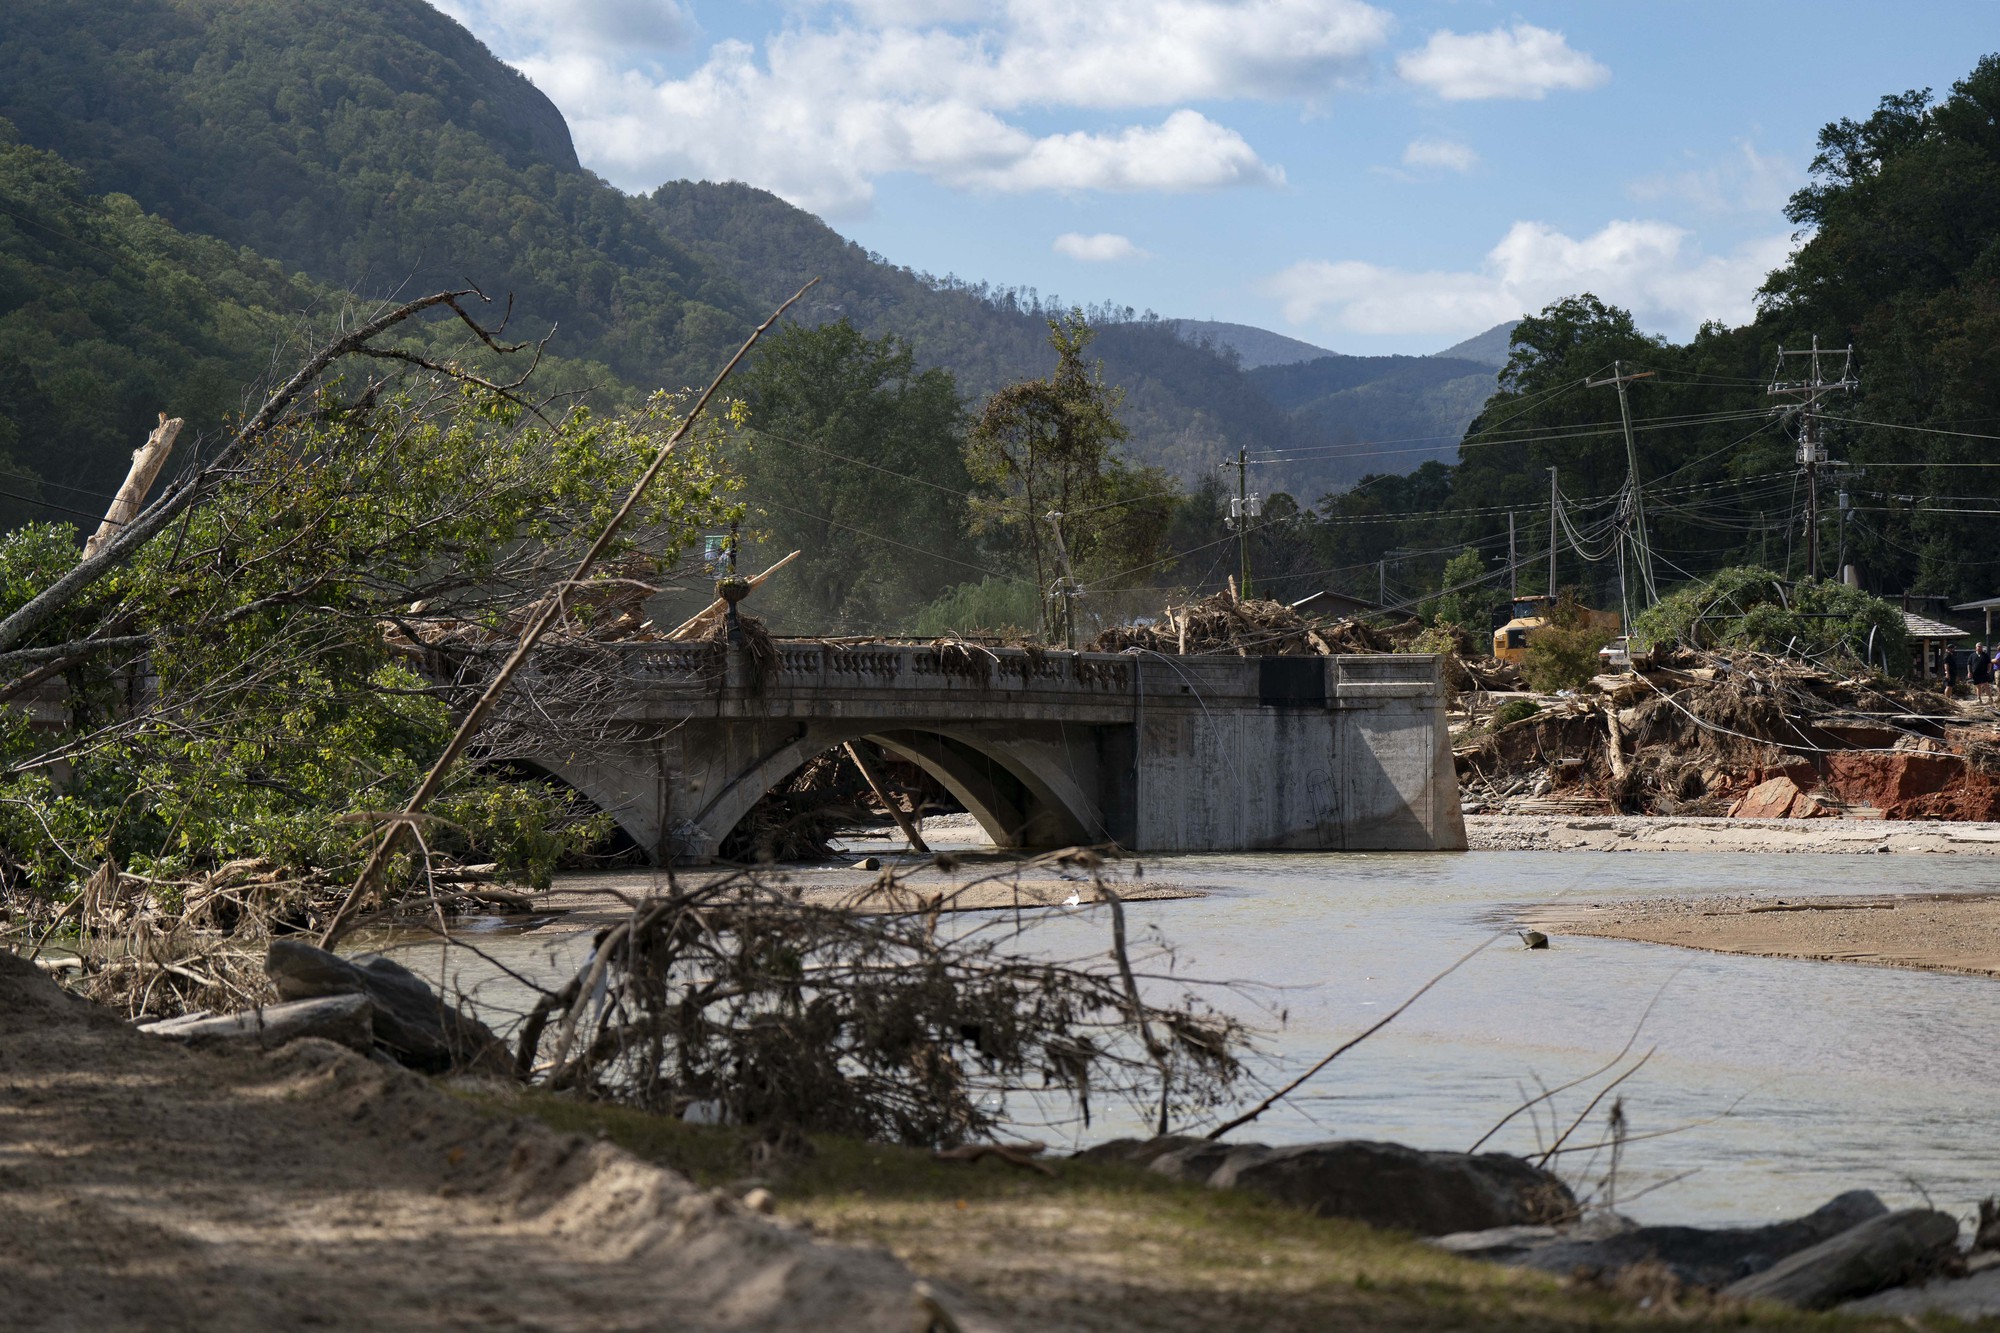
1833, 1076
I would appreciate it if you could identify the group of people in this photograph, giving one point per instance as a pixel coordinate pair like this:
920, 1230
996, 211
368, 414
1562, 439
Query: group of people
1979, 669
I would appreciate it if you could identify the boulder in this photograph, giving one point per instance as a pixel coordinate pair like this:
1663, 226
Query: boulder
1700, 1256
347, 1019
1882, 1252
1139, 1152
410, 1020
1778, 798
1389, 1185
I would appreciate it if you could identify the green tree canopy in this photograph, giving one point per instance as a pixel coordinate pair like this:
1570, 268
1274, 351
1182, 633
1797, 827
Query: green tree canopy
853, 458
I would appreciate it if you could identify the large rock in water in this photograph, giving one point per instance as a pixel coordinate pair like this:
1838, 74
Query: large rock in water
1698, 1256
1389, 1185
1883, 1252
412, 1022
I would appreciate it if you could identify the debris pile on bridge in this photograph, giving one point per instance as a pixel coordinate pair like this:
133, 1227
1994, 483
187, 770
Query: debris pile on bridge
1253, 628
1747, 736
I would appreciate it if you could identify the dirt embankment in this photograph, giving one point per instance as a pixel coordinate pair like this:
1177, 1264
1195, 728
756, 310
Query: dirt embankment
151, 1187
1935, 932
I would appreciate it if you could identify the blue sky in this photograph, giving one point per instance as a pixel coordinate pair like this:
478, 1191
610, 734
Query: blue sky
1371, 177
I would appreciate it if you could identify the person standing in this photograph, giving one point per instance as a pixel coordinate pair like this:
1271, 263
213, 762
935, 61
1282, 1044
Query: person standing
1982, 674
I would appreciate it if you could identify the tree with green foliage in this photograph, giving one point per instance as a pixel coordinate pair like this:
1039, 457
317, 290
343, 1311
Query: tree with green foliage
1049, 447
1756, 609
1467, 599
286, 655
853, 457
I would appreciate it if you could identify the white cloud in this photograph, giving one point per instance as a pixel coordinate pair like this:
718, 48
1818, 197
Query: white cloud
1518, 62
1098, 248
846, 94
1440, 153
1649, 267
1747, 182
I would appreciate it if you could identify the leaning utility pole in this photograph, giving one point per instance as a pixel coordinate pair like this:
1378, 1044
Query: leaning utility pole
1635, 527
1812, 453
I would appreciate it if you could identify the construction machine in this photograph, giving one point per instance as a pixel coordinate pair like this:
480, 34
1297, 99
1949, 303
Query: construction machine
1510, 641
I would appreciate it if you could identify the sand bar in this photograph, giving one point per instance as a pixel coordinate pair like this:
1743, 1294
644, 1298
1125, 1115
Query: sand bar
1649, 833
1938, 932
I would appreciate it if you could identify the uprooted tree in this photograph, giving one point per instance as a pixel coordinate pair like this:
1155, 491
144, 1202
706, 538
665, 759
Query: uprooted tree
210, 711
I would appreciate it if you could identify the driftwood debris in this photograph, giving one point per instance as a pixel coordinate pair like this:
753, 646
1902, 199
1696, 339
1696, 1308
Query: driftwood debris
1014, 1154
706, 619
888, 800
147, 460
346, 1019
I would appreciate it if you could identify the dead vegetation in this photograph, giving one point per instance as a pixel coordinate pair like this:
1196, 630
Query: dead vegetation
736, 1002
1748, 735
1252, 628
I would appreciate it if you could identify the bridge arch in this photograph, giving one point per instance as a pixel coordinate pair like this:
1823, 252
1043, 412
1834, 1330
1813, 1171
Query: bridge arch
1022, 796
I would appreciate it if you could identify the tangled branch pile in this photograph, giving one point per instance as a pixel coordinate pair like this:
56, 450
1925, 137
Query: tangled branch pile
1750, 735
1222, 624
745, 1003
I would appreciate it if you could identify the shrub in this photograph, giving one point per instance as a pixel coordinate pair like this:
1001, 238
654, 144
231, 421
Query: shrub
1562, 658
1514, 710
990, 606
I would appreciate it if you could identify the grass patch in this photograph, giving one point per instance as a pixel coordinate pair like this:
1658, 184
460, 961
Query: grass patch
1104, 1246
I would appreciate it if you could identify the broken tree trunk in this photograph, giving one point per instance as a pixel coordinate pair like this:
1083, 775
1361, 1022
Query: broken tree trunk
703, 620
888, 798
147, 460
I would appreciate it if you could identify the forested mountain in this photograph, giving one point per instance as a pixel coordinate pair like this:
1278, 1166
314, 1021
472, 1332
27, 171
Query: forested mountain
372, 144
377, 147
109, 316
1490, 348
1253, 346
1186, 405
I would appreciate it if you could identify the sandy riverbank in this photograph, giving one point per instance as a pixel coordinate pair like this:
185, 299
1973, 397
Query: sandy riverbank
152, 1187
1936, 932
1645, 833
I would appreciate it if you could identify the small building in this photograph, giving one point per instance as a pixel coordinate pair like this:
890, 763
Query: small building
1987, 605
1933, 639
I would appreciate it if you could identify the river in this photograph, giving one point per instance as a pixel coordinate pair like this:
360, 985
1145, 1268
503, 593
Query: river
1811, 1077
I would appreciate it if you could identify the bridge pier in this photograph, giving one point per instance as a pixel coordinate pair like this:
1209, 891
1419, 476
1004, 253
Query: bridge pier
1046, 749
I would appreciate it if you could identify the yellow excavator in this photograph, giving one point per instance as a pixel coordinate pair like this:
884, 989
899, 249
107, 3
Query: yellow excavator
1510, 641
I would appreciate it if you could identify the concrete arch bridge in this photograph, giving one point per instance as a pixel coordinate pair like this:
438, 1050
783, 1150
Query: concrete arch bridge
1046, 748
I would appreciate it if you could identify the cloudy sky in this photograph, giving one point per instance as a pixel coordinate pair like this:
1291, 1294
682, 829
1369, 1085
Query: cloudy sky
1371, 177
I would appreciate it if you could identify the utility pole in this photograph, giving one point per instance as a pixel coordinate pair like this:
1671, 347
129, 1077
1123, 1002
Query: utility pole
1067, 589
1635, 526
1553, 502
1812, 452
1382, 584
1242, 509
1513, 566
